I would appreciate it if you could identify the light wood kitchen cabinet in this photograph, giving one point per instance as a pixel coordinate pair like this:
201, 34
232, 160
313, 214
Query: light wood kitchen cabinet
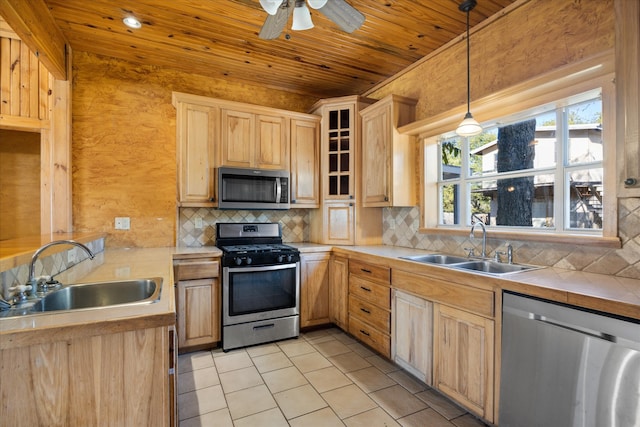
198, 303
341, 218
196, 132
370, 305
628, 97
339, 291
314, 289
412, 334
251, 140
305, 163
388, 157
463, 347
115, 379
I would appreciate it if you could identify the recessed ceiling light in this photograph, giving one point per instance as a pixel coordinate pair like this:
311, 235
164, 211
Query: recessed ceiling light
131, 22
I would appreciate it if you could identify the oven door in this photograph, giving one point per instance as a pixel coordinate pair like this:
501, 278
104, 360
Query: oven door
261, 292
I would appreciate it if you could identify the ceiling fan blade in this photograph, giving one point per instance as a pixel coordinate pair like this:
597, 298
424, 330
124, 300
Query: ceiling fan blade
343, 14
274, 24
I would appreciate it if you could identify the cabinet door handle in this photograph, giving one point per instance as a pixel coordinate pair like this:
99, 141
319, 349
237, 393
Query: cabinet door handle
365, 310
364, 270
364, 333
365, 289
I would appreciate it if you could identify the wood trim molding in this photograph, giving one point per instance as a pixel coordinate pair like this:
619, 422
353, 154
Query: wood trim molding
34, 24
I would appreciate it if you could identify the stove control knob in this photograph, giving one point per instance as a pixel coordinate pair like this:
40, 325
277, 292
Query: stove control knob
280, 258
289, 258
237, 260
249, 260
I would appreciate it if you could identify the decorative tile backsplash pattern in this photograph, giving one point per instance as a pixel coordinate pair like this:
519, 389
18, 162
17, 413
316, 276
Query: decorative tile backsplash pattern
295, 224
401, 229
47, 265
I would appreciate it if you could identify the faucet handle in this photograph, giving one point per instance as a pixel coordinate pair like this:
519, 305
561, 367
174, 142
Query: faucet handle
19, 292
496, 256
471, 252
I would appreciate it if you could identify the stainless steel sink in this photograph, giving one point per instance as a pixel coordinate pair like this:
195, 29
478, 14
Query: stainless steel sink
476, 265
102, 294
493, 267
436, 259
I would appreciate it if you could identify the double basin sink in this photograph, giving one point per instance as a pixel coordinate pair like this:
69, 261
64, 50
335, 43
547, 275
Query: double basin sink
469, 264
92, 296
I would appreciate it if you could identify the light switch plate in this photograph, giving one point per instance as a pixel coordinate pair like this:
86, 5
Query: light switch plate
198, 223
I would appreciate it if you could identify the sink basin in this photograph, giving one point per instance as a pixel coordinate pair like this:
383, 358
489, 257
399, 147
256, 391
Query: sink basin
493, 267
437, 259
102, 294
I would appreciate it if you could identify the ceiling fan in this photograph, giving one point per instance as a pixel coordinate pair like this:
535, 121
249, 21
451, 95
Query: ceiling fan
339, 11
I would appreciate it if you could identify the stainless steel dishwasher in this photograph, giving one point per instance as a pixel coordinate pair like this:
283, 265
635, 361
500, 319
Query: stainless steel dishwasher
563, 366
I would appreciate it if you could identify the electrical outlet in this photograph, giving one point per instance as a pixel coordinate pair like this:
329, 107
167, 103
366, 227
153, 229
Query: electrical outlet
392, 224
123, 223
198, 222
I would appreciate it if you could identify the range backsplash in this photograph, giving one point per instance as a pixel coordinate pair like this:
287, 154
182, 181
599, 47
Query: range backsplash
295, 224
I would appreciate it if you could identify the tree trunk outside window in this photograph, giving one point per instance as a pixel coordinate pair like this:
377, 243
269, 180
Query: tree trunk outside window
515, 195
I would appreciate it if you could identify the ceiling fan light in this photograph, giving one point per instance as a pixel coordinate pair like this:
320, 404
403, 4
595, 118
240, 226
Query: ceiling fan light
270, 6
316, 4
469, 126
132, 22
301, 18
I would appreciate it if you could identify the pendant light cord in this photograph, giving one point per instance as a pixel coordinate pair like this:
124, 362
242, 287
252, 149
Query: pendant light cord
468, 68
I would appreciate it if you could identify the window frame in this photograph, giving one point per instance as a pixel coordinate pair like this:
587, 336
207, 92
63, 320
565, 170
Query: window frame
596, 73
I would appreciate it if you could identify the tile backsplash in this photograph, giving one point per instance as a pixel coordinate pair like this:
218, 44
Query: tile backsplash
295, 224
401, 229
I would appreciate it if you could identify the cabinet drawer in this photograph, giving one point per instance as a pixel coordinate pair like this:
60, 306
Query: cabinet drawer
369, 291
367, 312
370, 336
196, 270
370, 272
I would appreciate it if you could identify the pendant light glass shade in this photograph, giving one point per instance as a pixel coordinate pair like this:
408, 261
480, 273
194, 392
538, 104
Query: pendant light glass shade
469, 126
270, 6
301, 17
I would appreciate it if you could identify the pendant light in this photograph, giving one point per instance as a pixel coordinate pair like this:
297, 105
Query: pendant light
469, 126
301, 16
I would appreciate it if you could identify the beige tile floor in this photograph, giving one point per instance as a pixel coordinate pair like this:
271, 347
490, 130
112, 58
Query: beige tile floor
324, 378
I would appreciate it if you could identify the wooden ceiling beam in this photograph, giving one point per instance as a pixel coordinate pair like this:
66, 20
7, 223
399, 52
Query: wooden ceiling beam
34, 24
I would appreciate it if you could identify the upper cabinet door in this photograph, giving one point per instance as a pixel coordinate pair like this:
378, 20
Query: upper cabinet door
271, 143
237, 139
196, 134
388, 158
305, 163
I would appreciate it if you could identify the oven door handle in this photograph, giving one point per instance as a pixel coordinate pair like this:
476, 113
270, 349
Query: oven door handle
261, 268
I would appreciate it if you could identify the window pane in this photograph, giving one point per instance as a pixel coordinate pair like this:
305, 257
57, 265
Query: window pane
450, 202
515, 202
585, 199
451, 158
585, 132
545, 141
483, 152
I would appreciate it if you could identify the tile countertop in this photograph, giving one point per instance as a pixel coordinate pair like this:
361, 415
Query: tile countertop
112, 264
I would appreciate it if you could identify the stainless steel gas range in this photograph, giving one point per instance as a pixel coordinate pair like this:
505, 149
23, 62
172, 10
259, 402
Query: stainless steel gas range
260, 284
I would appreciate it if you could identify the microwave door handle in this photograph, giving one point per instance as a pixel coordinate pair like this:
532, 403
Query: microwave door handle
278, 190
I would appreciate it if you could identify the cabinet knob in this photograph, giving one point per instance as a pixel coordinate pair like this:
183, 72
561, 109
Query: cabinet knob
630, 182
386, 199
212, 199
293, 200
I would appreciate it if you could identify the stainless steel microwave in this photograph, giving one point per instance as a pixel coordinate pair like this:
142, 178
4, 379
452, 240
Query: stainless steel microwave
240, 188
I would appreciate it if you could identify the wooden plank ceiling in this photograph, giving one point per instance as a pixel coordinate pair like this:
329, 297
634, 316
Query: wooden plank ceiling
219, 38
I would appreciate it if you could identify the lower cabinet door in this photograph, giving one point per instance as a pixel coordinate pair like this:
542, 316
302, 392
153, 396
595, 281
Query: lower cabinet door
198, 312
314, 289
464, 358
412, 334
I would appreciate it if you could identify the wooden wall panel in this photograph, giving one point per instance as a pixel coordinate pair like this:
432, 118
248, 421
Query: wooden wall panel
124, 143
19, 184
533, 39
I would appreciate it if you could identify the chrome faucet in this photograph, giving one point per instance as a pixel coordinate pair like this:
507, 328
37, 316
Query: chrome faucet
43, 287
484, 237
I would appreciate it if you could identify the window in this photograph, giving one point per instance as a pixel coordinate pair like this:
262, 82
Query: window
540, 169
